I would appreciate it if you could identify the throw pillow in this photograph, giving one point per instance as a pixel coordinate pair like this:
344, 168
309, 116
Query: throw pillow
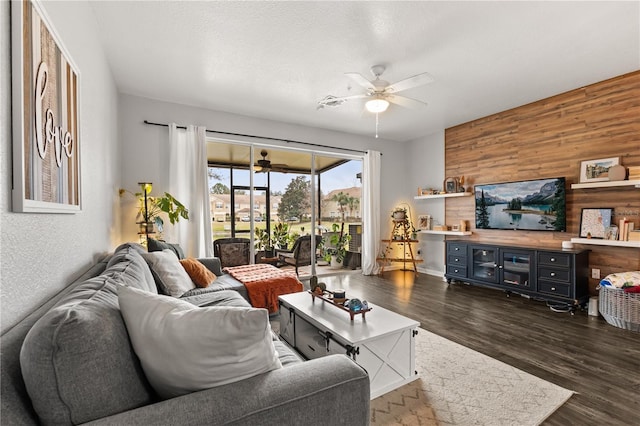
200, 275
184, 348
77, 361
170, 276
157, 245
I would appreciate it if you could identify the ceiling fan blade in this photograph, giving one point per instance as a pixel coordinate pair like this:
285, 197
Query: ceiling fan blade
408, 83
405, 102
334, 101
358, 78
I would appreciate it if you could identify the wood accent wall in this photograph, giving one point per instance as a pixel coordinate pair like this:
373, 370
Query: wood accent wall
546, 139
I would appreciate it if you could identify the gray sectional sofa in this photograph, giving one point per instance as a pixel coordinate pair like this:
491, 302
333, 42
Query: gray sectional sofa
71, 362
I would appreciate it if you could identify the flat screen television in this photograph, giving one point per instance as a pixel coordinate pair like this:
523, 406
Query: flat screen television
531, 205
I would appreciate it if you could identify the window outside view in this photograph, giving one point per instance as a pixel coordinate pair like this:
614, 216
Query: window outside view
286, 209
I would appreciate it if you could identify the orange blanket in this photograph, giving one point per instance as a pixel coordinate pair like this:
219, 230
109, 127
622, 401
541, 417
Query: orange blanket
265, 283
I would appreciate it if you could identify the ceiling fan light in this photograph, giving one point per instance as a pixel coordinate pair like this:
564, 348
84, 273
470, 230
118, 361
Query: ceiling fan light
377, 105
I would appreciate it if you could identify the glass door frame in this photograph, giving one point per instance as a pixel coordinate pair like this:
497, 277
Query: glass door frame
254, 150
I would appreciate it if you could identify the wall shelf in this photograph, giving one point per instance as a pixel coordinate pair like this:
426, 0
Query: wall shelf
453, 194
599, 242
607, 184
460, 233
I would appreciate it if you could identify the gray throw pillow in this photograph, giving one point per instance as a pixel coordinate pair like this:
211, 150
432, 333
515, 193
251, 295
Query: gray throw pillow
171, 277
77, 361
157, 245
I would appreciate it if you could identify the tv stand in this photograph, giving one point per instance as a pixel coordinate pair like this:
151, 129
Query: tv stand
556, 276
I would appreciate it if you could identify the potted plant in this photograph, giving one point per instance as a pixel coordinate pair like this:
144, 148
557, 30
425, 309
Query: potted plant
263, 242
281, 237
339, 242
399, 213
151, 208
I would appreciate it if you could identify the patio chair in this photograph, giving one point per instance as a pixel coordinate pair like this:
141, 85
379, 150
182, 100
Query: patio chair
232, 251
300, 254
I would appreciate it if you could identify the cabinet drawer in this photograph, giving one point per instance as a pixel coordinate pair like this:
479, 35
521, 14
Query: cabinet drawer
457, 271
553, 274
457, 260
457, 248
556, 259
548, 287
313, 344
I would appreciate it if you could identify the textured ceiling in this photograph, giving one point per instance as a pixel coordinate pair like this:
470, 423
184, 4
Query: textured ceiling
275, 60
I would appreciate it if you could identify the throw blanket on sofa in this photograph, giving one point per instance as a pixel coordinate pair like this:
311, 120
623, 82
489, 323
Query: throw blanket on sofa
265, 283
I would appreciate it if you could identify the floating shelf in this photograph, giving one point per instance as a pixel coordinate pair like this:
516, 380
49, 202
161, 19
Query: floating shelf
461, 233
599, 242
453, 194
607, 184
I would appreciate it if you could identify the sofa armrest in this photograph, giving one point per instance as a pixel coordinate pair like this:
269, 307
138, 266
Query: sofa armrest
325, 391
213, 264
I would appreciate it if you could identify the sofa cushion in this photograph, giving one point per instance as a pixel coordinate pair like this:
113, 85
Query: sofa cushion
170, 277
128, 267
198, 273
184, 348
156, 245
77, 361
208, 297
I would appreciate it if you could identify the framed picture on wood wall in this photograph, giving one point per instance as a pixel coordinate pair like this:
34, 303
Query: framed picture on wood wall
597, 170
595, 222
46, 122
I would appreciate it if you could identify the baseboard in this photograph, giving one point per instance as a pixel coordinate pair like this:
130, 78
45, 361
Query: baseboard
433, 272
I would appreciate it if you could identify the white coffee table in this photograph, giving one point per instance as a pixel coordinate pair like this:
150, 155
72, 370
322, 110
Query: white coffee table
382, 342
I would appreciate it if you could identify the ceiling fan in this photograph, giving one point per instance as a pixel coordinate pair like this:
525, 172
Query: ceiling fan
381, 92
264, 165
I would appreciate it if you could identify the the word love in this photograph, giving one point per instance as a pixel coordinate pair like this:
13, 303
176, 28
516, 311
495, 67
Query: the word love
61, 140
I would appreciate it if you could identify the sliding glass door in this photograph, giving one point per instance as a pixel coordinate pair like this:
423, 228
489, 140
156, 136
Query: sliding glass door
275, 195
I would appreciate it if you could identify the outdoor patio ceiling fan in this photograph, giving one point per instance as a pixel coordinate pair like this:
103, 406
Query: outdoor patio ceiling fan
264, 165
379, 93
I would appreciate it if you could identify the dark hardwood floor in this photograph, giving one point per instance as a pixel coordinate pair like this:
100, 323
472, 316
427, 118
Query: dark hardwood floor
583, 353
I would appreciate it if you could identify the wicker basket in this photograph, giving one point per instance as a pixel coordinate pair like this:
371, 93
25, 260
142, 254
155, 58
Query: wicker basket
620, 309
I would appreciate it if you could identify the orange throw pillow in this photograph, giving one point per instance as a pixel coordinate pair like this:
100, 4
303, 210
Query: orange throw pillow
198, 273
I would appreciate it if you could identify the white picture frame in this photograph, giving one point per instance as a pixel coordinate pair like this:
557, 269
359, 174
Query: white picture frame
597, 170
46, 116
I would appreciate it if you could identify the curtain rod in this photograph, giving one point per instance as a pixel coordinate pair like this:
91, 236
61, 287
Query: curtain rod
263, 137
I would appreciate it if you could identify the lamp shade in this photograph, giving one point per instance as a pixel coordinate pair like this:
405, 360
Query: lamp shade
377, 105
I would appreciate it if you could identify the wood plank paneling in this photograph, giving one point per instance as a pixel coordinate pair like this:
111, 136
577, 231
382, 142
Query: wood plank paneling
550, 138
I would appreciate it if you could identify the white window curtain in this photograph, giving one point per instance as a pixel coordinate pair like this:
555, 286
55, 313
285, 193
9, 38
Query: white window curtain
188, 182
370, 212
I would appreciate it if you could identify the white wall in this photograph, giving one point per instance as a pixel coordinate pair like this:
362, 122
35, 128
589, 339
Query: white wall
144, 147
425, 158
41, 253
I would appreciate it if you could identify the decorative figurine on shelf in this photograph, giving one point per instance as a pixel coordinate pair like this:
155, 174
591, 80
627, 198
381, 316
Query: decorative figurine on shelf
318, 288
354, 305
460, 183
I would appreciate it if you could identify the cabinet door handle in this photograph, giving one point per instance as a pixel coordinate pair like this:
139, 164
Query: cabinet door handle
457, 249
455, 270
457, 260
553, 289
553, 274
553, 259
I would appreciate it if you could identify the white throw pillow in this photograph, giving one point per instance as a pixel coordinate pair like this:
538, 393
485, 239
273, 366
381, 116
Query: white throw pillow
184, 348
172, 277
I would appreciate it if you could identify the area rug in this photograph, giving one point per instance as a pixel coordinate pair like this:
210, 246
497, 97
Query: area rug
459, 386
